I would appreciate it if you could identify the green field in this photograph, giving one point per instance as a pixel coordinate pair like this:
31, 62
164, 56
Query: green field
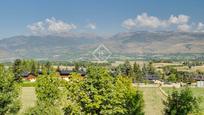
152, 97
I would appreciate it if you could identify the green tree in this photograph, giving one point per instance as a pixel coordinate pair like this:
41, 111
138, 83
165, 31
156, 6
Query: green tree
137, 72
47, 90
150, 68
181, 103
73, 96
34, 68
48, 66
172, 78
128, 96
100, 93
48, 96
144, 70
17, 69
9, 93
76, 66
125, 69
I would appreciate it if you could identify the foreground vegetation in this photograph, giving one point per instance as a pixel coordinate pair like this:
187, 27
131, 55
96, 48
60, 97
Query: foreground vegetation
197, 92
101, 91
153, 99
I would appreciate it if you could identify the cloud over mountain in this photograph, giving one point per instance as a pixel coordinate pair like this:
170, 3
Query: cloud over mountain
51, 26
147, 22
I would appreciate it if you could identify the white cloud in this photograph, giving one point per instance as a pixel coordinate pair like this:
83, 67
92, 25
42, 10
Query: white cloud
51, 26
144, 21
129, 24
180, 19
91, 26
37, 27
184, 28
200, 27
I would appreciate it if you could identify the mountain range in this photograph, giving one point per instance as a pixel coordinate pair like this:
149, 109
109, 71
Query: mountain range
81, 46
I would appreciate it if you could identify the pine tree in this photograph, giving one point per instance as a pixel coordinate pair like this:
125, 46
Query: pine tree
137, 72
17, 69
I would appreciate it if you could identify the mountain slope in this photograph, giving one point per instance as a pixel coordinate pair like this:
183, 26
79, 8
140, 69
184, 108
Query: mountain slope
158, 42
76, 46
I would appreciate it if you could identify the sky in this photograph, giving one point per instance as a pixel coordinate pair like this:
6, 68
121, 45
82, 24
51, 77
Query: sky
103, 17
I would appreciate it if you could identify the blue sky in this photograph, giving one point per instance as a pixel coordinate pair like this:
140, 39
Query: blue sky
103, 17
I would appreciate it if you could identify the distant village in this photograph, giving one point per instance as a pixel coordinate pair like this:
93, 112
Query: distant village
63, 73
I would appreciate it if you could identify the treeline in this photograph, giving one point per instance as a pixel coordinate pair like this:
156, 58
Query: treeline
147, 71
138, 73
46, 67
135, 72
173, 75
193, 63
22, 66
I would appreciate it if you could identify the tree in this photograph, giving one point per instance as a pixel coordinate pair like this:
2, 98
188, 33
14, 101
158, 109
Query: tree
150, 68
58, 68
48, 96
144, 70
17, 69
48, 66
181, 103
100, 93
34, 68
76, 66
172, 78
73, 95
128, 96
137, 73
125, 69
47, 90
9, 93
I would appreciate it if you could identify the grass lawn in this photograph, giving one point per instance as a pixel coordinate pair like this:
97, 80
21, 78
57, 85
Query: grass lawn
153, 101
28, 98
198, 92
28, 84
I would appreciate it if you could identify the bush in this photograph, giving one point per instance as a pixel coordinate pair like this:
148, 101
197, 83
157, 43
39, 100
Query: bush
181, 103
43, 109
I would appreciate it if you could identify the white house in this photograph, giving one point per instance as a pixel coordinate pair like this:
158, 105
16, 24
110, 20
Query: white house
200, 83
